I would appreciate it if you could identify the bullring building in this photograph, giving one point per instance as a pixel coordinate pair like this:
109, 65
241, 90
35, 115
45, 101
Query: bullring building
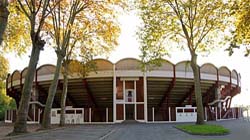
115, 93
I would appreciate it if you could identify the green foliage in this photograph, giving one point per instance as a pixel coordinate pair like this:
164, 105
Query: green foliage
207, 129
17, 35
192, 24
5, 101
241, 12
4, 67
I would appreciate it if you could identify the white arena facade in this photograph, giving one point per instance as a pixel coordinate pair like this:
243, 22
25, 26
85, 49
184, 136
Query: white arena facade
117, 92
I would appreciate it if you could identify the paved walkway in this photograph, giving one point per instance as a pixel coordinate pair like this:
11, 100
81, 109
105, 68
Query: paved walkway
240, 130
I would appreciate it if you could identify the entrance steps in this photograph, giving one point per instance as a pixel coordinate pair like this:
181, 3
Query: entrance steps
130, 121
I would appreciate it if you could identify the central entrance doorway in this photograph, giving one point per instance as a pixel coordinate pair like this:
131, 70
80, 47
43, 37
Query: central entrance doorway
130, 111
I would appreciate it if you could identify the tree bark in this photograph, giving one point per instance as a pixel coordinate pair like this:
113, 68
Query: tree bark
4, 13
46, 123
64, 94
197, 87
22, 114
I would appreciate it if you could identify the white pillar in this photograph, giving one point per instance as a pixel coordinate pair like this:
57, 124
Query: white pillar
216, 113
5, 115
153, 114
234, 113
247, 115
169, 114
205, 113
124, 112
83, 114
124, 99
220, 112
114, 94
238, 113
135, 100
11, 115
145, 97
90, 115
38, 117
34, 113
107, 114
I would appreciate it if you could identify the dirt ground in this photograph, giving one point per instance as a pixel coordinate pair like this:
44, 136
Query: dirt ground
6, 128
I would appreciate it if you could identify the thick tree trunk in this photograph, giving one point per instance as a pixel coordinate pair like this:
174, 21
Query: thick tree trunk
52, 91
22, 114
4, 13
197, 87
64, 94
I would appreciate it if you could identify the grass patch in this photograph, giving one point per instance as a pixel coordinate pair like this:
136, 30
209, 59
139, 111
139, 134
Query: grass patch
206, 129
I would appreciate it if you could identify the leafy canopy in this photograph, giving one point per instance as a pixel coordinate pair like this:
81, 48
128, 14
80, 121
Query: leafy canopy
192, 24
17, 34
241, 13
5, 101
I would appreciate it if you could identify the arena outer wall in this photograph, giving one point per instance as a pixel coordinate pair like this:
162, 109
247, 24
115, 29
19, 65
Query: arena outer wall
121, 91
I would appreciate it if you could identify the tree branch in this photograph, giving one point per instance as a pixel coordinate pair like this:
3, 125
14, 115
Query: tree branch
24, 10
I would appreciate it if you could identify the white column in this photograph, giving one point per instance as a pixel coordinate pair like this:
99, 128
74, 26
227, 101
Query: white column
135, 100
124, 99
107, 114
38, 115
34, 113
169, 113
216, 113
238, 113
145, 97
5, 115
234, 114
83, 114
205, 113
114, 94
11, 115
153, 114
247, 115
123, 90
90, 114
220, 112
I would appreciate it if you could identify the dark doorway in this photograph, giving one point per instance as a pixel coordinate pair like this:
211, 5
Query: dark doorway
130, 111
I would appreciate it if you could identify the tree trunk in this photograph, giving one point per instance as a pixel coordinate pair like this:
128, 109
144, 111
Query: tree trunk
197, 87
22, 114
52, 91
64, 94
4, 13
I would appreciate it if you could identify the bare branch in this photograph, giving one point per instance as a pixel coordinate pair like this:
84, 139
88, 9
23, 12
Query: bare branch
39, 7
24, 10
28, 5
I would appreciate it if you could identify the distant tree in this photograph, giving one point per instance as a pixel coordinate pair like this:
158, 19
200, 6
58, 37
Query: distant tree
195, 23
5, 101
241, 34
4, 67
4, 13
